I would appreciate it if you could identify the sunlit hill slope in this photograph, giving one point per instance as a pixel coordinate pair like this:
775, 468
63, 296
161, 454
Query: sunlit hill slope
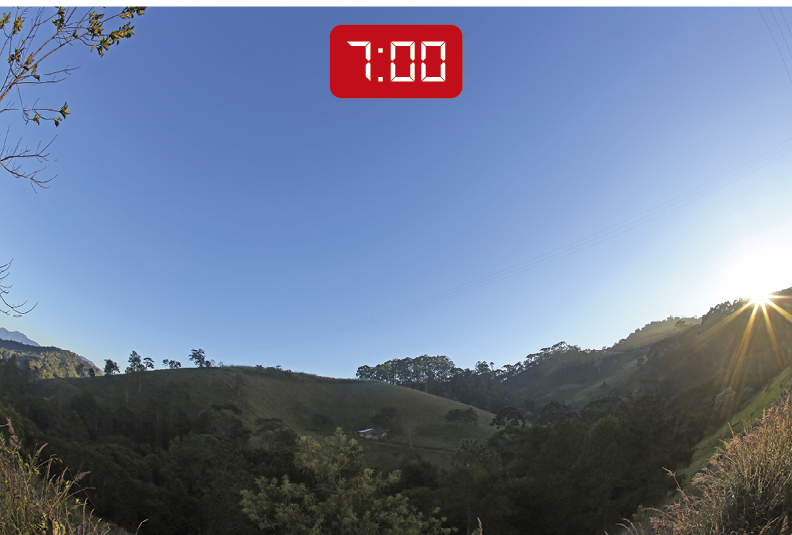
708, 370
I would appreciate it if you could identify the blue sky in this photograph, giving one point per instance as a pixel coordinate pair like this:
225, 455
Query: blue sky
212, 193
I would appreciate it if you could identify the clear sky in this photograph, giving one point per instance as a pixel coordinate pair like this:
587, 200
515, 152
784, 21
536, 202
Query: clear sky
212, 193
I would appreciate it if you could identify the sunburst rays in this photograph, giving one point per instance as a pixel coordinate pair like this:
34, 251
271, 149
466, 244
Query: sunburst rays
759, 306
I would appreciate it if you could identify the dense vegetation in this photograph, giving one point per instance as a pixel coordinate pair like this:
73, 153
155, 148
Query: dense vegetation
249, 450
154, 457
746, 488
705, 369
47, 362
33, 499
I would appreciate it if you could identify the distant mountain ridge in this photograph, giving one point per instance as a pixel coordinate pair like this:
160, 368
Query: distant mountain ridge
17, 336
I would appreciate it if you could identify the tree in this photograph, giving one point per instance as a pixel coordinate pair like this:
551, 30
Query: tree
199, 358
552, 412
135, 364
275, 435
31, 44
459, 416
507, 416
111, 367
172, 364
148, 362
340, 496
473, 489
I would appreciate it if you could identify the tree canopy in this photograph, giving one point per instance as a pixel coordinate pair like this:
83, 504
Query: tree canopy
337, 496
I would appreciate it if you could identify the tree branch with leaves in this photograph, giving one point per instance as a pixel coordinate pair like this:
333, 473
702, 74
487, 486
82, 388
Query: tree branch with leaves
30, 41
30, 44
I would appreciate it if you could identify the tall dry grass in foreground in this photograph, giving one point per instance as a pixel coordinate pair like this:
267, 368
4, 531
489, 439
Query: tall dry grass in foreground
33, 500
745, 489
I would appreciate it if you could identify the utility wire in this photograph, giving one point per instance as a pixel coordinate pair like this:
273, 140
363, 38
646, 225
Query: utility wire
785, 21
780, 30
776, 42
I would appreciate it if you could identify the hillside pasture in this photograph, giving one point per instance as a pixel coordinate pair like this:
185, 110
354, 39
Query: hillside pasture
308, 404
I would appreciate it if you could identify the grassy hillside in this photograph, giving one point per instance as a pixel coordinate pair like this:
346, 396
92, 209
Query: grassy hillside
735, 346
587, 376
308, 404
575, 377
753, 410
653, 332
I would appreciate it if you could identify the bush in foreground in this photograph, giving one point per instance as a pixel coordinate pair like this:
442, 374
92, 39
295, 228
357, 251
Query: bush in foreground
744, 489
34, 500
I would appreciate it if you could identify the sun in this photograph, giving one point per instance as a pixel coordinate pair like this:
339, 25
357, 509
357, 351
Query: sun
761, 299
755, 272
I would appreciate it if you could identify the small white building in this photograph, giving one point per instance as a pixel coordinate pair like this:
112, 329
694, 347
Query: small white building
373, 434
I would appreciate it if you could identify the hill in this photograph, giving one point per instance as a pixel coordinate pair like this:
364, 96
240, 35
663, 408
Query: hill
735, 345
654, 332
47, 362
308, 404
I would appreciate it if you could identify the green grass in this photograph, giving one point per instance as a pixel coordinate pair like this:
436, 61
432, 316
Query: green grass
349, 404
620, 377
708, 446
651, 333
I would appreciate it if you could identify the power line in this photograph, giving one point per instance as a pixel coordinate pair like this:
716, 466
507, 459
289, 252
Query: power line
776, 42
780, 30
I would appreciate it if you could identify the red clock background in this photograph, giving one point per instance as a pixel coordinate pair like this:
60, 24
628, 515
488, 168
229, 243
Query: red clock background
348, 63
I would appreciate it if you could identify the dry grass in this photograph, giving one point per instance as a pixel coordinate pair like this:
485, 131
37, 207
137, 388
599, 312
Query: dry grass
745, 489
33, 500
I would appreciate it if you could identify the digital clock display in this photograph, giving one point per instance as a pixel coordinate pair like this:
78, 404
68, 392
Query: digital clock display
396, 61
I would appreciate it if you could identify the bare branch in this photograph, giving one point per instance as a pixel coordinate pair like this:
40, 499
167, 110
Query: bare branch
11, 159
7, 308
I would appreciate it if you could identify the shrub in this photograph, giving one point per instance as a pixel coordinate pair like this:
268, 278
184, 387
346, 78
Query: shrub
34, 500
745, 489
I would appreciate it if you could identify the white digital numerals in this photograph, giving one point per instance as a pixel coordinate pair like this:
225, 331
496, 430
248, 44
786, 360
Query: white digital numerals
442, 76
395, 78
367, 44
411, 44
